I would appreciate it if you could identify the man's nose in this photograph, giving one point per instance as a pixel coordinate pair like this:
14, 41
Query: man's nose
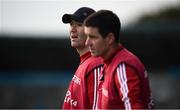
73, 28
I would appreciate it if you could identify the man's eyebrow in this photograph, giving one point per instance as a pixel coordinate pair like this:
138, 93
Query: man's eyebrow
92, 36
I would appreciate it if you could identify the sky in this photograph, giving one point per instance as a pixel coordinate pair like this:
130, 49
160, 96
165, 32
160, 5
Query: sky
44, 16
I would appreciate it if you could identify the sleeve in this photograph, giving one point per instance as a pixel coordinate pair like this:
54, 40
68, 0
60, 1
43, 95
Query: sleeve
92, 84
128, 86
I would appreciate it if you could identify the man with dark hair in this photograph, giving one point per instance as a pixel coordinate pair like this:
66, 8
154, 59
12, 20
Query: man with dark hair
82, 88
123, 83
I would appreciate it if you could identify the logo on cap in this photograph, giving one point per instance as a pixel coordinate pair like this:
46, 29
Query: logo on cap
85, 14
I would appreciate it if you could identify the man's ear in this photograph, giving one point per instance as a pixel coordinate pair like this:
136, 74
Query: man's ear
110, 38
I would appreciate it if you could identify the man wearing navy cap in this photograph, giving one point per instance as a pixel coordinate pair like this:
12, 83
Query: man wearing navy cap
82, 91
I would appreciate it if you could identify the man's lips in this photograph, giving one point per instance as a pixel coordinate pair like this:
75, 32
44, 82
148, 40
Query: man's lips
91, 49
74, 37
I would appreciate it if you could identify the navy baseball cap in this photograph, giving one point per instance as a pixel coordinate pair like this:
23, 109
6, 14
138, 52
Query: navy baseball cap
80, 15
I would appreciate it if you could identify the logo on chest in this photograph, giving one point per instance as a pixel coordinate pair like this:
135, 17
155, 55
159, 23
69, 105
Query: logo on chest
105, 92
68, 99
76, 79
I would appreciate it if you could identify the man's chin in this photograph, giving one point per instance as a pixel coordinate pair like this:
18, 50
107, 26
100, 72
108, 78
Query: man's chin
74, 45
93, 54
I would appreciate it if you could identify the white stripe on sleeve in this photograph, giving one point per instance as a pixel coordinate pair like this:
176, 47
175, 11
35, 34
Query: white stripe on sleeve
95, 88
96, 82
122, 78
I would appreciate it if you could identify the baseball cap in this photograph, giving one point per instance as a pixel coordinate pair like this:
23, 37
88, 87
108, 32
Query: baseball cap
80, 15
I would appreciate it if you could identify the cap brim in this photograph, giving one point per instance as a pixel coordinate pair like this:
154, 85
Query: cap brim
67, 18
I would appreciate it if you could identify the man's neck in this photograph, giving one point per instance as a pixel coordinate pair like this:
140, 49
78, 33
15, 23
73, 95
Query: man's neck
110, 52
82, 51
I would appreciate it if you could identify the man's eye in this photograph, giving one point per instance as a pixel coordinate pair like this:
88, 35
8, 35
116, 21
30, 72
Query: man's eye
70, 24
92, 37
79, 24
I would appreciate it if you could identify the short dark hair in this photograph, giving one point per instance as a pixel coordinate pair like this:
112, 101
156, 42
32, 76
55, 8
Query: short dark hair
106, 21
